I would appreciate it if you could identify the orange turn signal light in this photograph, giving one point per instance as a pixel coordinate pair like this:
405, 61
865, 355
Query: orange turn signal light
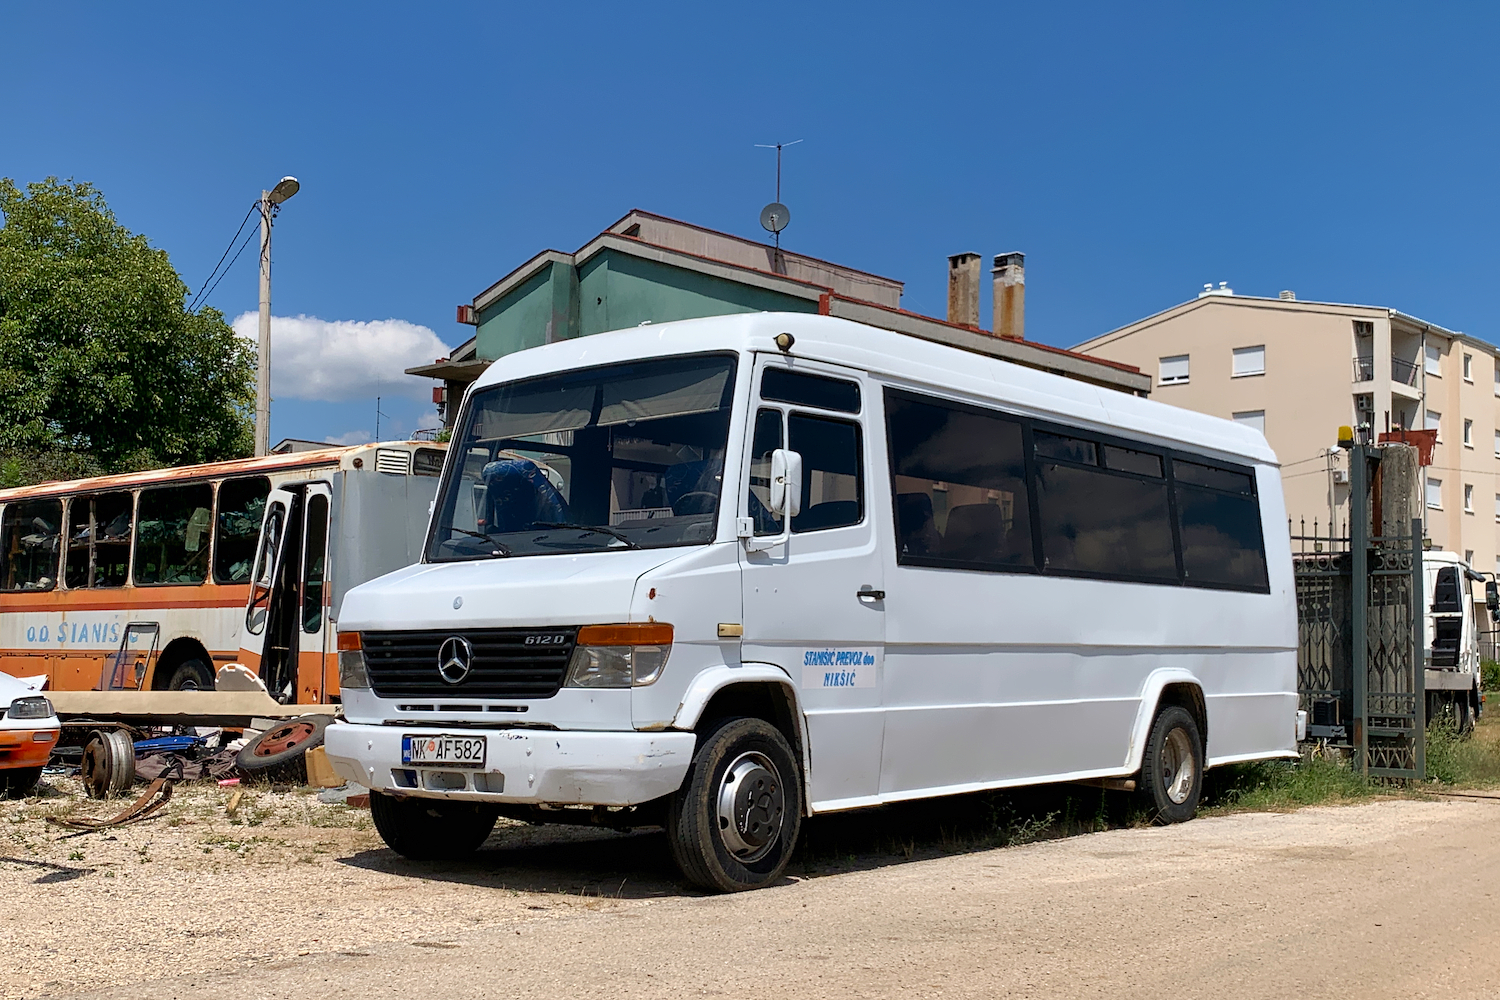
349, 642
634, 634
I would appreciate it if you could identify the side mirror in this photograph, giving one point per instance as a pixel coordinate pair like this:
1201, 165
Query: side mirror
786, 483
1492, 599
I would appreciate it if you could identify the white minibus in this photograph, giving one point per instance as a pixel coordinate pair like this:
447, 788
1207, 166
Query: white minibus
720, 575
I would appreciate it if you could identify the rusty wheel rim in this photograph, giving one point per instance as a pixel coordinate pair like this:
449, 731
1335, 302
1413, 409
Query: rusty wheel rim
283, 738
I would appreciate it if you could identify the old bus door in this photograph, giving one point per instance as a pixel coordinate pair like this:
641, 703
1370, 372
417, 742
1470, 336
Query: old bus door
314, 643
271, 627
813, 591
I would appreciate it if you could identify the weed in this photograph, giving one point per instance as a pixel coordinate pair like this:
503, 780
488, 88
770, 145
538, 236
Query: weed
1465, 761
75, 855
1270, 785
1490, 675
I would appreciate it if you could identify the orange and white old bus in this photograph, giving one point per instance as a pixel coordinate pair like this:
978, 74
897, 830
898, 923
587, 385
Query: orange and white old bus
152, 580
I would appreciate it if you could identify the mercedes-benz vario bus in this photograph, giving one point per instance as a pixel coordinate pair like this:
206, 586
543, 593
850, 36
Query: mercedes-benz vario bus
723, 574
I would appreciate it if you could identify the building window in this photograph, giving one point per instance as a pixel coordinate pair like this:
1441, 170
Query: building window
1497, 378
1468, 498
1252, 418
1249, 361
1468, 367
1435, 494
1468, 433
1174, 370
1434, 360
1497, 506
1435, 423
1497, 444
1469, 556
1364, 328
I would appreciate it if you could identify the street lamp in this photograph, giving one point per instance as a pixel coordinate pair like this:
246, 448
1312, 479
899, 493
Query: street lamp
270, 204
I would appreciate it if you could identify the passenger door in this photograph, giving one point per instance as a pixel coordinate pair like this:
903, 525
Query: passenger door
314, 641
813, 592
271, 618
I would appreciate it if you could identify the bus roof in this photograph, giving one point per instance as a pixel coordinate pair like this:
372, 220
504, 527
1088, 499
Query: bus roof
332, 455
899, 358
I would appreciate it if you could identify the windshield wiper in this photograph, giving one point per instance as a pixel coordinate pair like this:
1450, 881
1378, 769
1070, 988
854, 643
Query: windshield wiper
595, 528
501, 549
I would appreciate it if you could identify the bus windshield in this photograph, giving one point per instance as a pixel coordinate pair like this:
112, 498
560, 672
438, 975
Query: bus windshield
621, 456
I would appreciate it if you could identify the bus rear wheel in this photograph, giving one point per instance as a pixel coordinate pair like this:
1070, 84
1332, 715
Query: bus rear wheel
1172, 767
734, 823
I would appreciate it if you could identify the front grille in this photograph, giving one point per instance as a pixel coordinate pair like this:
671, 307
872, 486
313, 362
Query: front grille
504, 665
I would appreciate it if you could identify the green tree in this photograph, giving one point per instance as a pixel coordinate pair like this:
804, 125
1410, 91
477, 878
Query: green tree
102, 366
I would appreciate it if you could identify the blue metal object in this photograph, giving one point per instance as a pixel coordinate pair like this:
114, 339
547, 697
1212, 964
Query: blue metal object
173, 743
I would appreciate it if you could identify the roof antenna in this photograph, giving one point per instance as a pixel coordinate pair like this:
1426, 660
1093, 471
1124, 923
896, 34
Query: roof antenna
775, 216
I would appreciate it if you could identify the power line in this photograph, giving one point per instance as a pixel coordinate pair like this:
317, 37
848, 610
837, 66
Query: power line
202, 294
248, 237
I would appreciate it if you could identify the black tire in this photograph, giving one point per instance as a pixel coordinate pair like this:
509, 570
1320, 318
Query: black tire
1172, 768
191, 675
19, 782
431, 829
281, 751
1463, 715
724, 846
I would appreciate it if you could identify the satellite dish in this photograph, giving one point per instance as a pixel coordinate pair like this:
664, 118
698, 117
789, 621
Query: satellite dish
774, 217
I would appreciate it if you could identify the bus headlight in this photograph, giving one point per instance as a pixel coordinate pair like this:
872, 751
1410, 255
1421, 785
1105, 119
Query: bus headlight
29, 708
352, 672
619, 656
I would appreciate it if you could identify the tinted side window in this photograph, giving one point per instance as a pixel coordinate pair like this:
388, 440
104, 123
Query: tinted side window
959, 478
313, 564
832, 472
30, 541
1222, 543
242, 505
172, 531
99, 540
810, 390
767, 439
427, 462
1102, 524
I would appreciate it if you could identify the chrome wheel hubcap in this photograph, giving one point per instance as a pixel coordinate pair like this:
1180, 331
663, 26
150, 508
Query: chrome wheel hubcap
1178, 769
752, 806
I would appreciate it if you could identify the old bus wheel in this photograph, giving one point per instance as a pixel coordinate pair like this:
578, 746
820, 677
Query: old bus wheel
191, 675
1172, 768
734, 823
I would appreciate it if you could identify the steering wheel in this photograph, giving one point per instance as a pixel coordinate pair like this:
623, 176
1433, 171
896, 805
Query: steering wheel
713, 497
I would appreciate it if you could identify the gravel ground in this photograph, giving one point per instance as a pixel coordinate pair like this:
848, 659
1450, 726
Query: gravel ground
295, 896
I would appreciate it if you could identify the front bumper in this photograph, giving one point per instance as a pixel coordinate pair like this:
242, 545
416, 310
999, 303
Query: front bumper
26, 747
535, 767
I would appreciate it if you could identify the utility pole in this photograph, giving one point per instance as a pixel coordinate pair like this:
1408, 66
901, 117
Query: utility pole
270, 203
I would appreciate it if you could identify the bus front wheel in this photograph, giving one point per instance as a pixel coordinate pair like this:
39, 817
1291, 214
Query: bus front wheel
191, 675
1172, 768
733, 824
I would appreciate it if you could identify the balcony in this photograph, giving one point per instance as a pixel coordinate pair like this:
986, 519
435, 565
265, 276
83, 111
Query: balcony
1404, 372
1364, 369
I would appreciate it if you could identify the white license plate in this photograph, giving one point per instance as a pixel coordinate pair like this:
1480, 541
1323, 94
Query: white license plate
451, 751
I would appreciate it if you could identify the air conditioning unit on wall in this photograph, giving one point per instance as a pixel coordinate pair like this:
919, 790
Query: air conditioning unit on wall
1341, 476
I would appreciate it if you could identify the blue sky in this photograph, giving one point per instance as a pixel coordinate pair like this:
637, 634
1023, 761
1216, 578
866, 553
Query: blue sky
1134, 152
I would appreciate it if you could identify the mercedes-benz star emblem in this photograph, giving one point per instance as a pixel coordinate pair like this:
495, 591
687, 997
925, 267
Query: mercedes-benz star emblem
455, 658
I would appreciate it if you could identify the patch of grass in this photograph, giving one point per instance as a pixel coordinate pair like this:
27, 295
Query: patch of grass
1274, 785
1464, 762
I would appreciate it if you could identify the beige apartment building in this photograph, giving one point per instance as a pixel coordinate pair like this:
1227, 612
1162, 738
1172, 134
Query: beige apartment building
1299, 370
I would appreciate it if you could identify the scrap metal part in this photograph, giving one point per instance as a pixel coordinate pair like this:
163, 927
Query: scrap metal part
152, 801
108, 765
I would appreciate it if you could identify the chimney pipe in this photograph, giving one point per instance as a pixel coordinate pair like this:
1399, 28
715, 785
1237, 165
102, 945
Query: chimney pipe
1010, 295
963, 289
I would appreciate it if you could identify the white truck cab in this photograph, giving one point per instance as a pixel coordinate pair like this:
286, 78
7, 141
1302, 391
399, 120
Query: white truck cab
1454, 612
719, 574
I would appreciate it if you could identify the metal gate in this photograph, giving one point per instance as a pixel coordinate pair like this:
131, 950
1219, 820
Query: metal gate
1359, 635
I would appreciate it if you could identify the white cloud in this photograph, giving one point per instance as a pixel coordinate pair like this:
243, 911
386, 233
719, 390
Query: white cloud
340, 360
353, 437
